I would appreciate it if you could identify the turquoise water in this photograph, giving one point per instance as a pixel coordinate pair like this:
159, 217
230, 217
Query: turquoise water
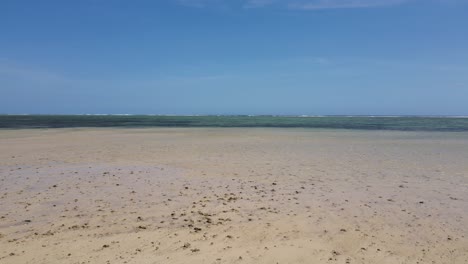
334, 122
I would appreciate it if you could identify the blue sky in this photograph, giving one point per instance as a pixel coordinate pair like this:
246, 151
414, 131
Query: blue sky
315, 57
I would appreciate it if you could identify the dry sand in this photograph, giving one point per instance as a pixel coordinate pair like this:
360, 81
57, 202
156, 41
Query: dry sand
233, 196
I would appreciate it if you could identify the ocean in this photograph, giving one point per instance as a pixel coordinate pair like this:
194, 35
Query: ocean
403, 123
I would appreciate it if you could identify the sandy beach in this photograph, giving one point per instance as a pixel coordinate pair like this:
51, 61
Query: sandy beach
233, 195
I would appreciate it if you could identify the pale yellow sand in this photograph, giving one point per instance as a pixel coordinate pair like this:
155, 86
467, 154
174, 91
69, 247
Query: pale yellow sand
232, 196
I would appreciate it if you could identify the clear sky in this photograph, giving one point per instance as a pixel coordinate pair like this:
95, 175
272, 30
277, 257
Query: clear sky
315, 57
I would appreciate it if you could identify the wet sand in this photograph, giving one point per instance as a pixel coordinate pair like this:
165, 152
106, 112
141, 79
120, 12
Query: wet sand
215, 195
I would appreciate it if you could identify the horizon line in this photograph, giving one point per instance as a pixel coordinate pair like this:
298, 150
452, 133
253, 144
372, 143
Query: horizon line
240, 115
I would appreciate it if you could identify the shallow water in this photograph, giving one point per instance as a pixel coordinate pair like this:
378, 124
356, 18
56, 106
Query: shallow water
334, 122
